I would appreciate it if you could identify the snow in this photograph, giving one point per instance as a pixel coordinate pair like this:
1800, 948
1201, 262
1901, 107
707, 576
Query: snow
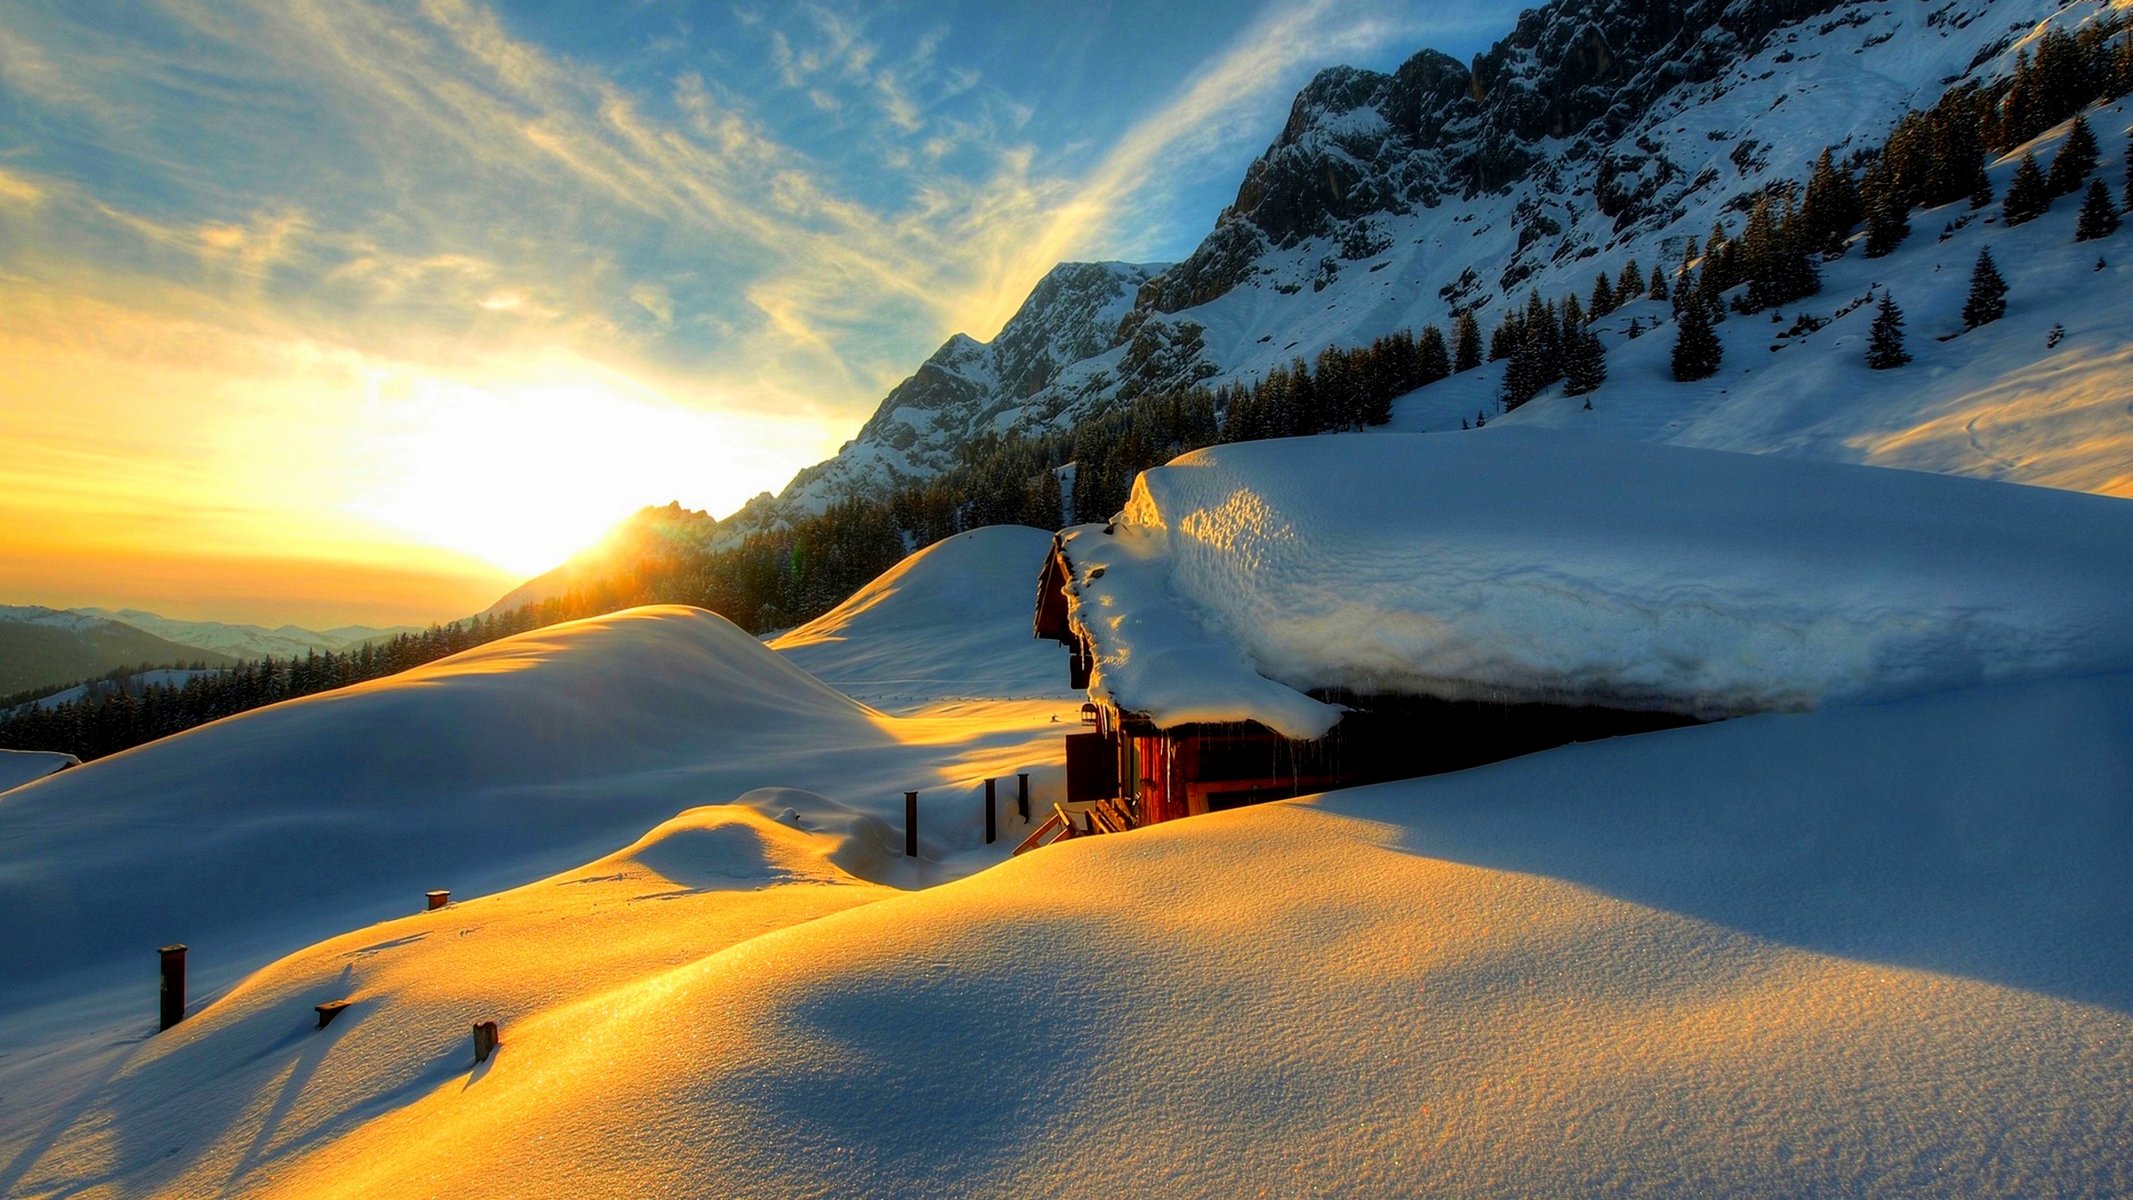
20, 767
264, 832
1864, 951
1528, 565
1706, 144
174, 677
1869, 949
952, 621
1996, 402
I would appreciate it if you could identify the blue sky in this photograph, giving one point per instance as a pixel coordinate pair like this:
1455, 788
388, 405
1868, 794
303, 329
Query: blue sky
553, 260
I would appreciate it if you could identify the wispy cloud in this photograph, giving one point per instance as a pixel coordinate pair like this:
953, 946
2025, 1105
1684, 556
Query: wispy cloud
428, 192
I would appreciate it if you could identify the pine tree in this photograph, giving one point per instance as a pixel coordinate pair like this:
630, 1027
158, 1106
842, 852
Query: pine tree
1432, 360
1603, 295
1831, 208
2129, 145
2099, 217
1657, 290
1584, 361
2076, 158
1884, 342
1988, 293
1466, 343
2027, 197
1697, 351
1981, 193
1887, 214
1629, 282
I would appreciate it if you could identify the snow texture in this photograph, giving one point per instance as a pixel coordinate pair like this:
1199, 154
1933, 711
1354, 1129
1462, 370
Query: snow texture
263, 832
19, 767
1858, 952
952, 621
1529, 565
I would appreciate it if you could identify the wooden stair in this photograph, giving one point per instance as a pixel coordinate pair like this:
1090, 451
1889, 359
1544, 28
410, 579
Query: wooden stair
1081, 820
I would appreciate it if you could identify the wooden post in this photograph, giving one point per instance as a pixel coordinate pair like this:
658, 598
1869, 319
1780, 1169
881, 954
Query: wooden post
173, 984
992, 827
437, 899
910, 824
1022, 796
486, 1040
329, 1010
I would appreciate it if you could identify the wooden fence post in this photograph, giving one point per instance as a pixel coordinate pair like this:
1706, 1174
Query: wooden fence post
992, 827
910, 824
1022, 796
485, 1040
173, 984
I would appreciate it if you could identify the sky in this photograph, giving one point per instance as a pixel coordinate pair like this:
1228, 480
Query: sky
329, 311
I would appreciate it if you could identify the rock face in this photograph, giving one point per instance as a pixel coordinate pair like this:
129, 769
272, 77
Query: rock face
1596, 133
969, 388
1360, 144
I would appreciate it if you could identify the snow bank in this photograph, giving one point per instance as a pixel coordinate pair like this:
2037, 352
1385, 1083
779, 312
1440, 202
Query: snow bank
950, 622
18, 767
1851, 952
1527, 565
268, 831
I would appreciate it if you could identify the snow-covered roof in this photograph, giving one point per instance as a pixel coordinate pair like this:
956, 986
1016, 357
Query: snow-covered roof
1524, 565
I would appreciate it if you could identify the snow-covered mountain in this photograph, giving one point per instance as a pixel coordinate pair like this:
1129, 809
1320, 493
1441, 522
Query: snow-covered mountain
1599, 132
47, 647
247, 641
969, 388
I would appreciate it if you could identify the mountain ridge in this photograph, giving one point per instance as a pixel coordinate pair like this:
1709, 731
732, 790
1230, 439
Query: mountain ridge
1571, 144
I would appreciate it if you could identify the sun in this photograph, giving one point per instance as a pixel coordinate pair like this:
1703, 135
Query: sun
525, 474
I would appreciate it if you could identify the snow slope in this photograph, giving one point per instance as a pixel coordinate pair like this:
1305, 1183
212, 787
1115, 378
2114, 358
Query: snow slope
1388, 202
267, 831
18, 767
951, 621
1534, 565
1998, 402
1861, 951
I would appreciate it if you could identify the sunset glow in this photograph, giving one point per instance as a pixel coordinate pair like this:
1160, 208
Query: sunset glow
442, 294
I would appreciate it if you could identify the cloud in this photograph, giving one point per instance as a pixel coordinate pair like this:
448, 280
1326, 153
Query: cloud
423, 192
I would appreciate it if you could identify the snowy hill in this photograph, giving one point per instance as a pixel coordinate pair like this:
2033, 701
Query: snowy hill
18, 767
483, 770
2038, 396
951, 620
1821, 954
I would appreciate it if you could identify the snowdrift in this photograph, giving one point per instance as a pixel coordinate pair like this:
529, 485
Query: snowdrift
1526, 565
271, 830
18, 767
1850, 952
951, 621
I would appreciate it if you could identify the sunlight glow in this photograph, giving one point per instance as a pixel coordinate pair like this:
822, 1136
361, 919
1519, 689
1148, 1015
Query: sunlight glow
525, 474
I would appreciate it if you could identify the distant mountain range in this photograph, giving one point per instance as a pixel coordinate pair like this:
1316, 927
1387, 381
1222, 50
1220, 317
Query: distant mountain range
53, 648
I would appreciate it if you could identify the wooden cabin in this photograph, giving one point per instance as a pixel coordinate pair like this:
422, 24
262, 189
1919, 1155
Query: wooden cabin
1161, 774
